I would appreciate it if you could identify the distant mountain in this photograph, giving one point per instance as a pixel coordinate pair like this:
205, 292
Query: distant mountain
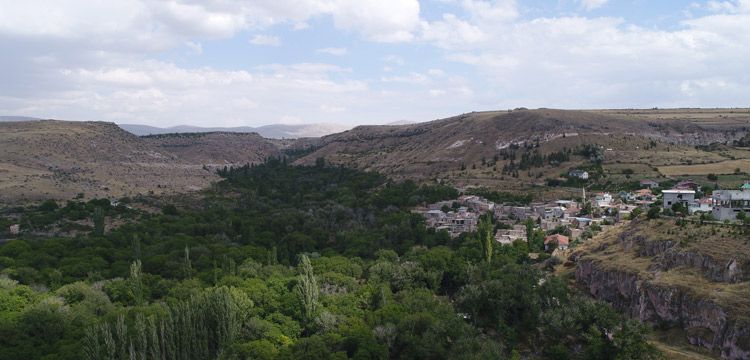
274, 131
17, 118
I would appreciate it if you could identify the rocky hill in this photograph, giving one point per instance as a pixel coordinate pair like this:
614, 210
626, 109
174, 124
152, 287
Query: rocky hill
472, 149
60, 159
216, 149
695, 278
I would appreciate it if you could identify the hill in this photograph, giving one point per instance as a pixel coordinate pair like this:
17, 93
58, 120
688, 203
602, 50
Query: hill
273, 131
59, 159
474, 149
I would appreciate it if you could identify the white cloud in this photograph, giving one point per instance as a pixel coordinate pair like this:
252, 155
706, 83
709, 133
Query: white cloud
732, 6
195, 47
266, 40
335, 51
379, 20
451, 32
593, 4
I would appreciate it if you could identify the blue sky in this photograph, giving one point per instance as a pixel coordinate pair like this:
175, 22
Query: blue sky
218, 63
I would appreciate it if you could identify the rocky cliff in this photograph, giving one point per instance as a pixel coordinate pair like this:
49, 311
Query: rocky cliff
651, 271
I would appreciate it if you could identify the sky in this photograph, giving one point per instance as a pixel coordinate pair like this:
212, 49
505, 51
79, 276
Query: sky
250, 63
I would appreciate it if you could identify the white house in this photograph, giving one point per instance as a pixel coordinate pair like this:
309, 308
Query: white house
705, 205
603, 199
673, 196
583, 175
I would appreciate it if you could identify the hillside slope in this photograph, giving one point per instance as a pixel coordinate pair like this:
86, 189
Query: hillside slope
460, 148
59, 159
216, 149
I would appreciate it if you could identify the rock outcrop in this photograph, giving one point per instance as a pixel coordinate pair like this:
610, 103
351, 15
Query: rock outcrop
706, 323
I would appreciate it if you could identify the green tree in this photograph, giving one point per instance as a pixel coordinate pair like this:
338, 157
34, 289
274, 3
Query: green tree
486, 237
98, 219
653, 212
135, 282
307, 290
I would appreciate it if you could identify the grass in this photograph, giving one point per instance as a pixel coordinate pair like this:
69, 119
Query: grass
723, 167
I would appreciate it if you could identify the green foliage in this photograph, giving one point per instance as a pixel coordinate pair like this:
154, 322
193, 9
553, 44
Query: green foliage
98, 220
653, 213
486, 237
213, 279
307, 290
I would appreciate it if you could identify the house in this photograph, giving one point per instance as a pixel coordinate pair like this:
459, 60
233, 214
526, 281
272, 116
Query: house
454, 222
705, 205
674, 196
508, 236
728, 203
645, 194
14, 229
603, 200
582, 222
626, 196
580, 174
476, 203
561, 241
650, 184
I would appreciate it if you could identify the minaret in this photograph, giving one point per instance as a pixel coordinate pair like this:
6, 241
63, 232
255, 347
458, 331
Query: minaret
583, 203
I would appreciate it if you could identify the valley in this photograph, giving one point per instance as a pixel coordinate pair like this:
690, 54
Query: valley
393, 214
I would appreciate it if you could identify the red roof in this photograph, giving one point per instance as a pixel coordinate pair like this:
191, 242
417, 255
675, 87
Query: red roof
558, 239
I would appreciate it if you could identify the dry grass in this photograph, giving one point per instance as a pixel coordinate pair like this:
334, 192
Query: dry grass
723, 167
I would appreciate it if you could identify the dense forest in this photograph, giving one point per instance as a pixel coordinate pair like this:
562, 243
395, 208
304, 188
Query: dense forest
289, 262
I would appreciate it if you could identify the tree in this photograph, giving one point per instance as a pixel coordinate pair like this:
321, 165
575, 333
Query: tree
653, 212
635, 213
135, 282
712, 177
307, 290
98, 219
486, 237
187, 266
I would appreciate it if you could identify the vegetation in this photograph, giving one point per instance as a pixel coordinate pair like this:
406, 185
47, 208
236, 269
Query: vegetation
280, 261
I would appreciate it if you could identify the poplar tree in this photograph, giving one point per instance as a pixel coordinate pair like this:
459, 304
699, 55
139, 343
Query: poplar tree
308, 291
486, 238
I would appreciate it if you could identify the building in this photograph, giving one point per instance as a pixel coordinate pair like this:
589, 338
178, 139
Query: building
14, 229
645, 194
454, 222
508, 236
705, 205
581, 174
728, 203
650, 184
603, 200
561, 241
674, 196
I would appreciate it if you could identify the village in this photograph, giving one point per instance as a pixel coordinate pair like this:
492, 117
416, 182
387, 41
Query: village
566, 221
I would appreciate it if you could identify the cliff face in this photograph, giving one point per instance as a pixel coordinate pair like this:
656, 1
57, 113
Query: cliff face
688, 276
706, 323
